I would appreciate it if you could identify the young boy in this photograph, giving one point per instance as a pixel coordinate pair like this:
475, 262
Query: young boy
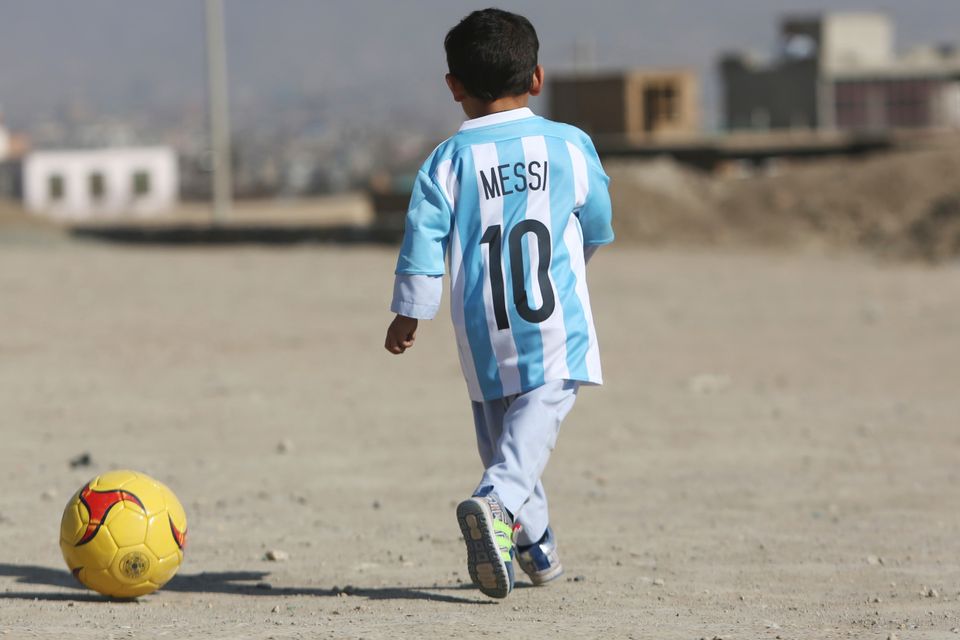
519, 203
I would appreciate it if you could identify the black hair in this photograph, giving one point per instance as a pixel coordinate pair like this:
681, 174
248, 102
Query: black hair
493, 53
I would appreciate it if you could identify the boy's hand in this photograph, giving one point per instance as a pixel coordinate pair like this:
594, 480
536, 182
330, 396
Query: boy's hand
400, 334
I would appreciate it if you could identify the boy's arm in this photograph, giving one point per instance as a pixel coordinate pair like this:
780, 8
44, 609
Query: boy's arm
418, 284
595, 212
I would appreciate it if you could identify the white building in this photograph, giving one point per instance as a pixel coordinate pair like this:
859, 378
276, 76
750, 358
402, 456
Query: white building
85, 184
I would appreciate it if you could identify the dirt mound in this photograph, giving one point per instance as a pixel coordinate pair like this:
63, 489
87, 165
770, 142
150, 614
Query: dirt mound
904, 204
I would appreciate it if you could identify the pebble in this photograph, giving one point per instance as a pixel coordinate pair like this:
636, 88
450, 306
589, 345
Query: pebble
376, 504
874, 560
276, 555
49, 494
708, 383
579, 579
82, 460
659, 582
932, 593
285, 446
276, 609
892, 636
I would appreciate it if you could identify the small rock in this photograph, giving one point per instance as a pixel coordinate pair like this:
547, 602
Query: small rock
892, 636
285, 446
82, 460
276, 555
276, 609
376, 504
708, 383
874, 560
876, 600
49, 494
579, 579
659, 582
932, 593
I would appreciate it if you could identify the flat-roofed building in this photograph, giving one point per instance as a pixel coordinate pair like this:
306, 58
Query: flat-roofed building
640, 104
841, 71
92, 183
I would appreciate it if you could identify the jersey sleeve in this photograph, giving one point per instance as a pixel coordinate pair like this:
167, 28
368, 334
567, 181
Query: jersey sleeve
596, 214
417, 296
426, 231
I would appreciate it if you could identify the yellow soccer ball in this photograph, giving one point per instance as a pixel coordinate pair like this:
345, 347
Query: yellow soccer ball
123, 533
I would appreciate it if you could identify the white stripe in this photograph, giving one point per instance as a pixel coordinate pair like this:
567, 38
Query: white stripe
491, 213
467, 364
553, 333
581, 181
447, 180
573, 238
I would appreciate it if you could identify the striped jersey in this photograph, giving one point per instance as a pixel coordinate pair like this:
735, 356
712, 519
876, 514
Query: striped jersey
512, 199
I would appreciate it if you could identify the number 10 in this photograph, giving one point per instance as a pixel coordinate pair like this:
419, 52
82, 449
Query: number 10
492, 236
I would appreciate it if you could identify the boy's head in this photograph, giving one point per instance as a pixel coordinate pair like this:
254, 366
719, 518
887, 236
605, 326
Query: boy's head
492, 54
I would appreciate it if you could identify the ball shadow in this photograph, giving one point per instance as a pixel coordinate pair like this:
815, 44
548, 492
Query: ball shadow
238, 583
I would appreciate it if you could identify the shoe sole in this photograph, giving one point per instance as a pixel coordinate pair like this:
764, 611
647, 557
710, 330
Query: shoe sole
541, 579
487, 569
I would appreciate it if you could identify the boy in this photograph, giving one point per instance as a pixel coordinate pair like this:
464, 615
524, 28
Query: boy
519, 203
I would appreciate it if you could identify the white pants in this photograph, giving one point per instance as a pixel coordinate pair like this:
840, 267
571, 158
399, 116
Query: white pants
515, 436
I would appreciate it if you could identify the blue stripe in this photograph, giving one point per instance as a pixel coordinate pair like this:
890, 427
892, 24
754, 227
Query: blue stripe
562, 197
526, 336
478, 334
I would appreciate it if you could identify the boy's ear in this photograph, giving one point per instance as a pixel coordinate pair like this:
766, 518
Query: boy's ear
536, 85
456, 88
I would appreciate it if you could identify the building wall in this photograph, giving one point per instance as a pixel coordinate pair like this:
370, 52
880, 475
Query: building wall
897, 103
117, 174
856, 39
784, 96
596, 104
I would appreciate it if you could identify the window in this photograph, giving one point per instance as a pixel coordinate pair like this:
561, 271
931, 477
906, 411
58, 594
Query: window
660, 105
141, 184
56, 186
98, 186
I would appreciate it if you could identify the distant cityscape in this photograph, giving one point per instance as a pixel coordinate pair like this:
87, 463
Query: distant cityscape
298, 150
837, 72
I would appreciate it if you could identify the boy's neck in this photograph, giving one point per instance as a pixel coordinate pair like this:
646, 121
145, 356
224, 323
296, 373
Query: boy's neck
475, 108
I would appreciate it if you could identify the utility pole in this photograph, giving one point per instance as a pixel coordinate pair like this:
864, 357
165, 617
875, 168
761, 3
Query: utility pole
219, 112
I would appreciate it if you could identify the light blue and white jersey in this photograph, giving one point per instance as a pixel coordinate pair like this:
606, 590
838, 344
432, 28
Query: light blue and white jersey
513, 199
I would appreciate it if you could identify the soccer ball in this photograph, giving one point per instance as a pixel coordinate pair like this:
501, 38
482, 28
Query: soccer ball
122, 534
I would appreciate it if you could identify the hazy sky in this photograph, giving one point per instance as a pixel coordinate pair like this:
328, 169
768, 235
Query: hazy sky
364, 55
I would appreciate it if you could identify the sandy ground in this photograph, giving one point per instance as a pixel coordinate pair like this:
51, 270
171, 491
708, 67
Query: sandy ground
775, 454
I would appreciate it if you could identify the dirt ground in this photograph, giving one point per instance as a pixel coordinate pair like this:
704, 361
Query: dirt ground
775, 453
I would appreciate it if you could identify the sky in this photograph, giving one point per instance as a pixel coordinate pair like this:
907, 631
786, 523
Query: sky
372, 58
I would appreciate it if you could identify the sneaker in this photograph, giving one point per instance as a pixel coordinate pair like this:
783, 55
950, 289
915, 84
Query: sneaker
488, 532
541, 561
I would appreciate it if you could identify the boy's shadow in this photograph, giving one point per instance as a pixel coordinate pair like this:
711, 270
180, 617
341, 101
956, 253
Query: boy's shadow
244, 583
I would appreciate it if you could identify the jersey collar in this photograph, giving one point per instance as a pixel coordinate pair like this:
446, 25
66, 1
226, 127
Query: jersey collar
497, 118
